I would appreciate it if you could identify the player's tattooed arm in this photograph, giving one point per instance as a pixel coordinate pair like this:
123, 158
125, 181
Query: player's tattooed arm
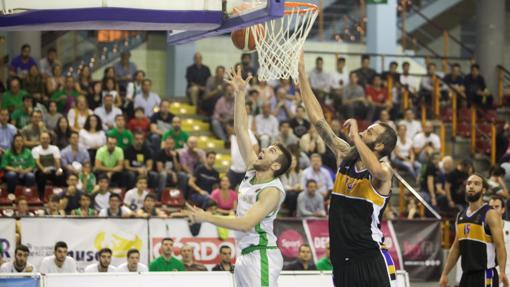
336, 144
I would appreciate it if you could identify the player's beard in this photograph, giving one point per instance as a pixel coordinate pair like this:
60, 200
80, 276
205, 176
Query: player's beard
474, 197
261, 166
353, 156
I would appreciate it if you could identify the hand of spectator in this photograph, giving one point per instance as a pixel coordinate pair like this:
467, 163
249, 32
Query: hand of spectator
203, 192
433, 200
319, 214
46, 170
28, 269
59, 171
235, 78
451, 203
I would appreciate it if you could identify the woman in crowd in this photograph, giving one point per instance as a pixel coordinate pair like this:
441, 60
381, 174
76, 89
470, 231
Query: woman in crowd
78, 115
55, 82
84, 83
95, 97
92, 137
61, 133
52, 116
225, 197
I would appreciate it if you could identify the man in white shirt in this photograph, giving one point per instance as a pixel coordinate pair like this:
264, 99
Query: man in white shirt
148, 100
426, 142
103, 264
59, 262
321, 175
409, 82
237, 166
47, 160
412, 125
320, 80
339, 79
266, 126
134, 197
107, 112
20, 263
133, 263
498, 203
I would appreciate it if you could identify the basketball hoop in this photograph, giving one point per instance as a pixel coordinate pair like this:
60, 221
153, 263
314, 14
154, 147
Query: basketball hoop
279, 43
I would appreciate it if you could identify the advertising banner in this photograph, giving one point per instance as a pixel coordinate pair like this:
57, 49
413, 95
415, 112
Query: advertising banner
85, 237
7, 238
318, 234
420, 243
291, 234
205, 238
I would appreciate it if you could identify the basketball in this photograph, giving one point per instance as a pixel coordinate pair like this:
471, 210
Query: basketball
244, 39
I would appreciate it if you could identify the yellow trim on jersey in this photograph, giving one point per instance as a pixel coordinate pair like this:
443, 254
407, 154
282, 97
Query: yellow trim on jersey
472, 231
358, 188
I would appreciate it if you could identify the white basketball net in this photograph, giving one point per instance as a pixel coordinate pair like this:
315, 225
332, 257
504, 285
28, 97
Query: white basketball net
279, 44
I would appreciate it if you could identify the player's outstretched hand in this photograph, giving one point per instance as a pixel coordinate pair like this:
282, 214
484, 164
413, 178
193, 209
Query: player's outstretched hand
352, 125
195, 214
235, 78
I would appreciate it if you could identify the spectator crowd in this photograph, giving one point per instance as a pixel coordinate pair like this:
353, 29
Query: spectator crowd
112, 147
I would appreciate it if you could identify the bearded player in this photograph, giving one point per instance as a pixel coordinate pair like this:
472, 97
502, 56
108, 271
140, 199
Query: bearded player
478, 241
361, 192
261, 194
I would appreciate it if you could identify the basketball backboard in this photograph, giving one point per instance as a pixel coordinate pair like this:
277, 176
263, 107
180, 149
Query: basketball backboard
23, 15
187, 20
237, 14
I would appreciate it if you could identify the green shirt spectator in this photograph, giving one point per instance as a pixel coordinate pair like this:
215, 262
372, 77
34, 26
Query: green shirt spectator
324, 264
13, 101
60, 97
23, 160
21, 117
109, 160
160, 264
180, 138
124, 138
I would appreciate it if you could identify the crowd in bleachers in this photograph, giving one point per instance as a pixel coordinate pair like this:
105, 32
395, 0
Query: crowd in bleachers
112, 147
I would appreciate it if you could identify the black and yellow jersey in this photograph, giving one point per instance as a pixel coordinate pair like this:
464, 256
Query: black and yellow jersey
355, 215
477, 250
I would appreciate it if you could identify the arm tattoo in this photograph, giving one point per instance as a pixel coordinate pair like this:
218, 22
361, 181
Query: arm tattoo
332, 141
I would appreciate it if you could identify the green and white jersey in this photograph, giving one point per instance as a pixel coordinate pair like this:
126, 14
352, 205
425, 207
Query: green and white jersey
262, 234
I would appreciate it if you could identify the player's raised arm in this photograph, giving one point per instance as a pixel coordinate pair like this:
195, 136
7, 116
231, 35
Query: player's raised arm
241, 118
316, 116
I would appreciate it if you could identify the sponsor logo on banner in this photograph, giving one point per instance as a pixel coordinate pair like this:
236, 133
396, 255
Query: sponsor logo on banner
291, 235
119, 243
7, 237
289, 242
206, 250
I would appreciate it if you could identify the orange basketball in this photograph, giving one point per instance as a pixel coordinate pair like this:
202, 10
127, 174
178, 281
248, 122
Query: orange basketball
244, 39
